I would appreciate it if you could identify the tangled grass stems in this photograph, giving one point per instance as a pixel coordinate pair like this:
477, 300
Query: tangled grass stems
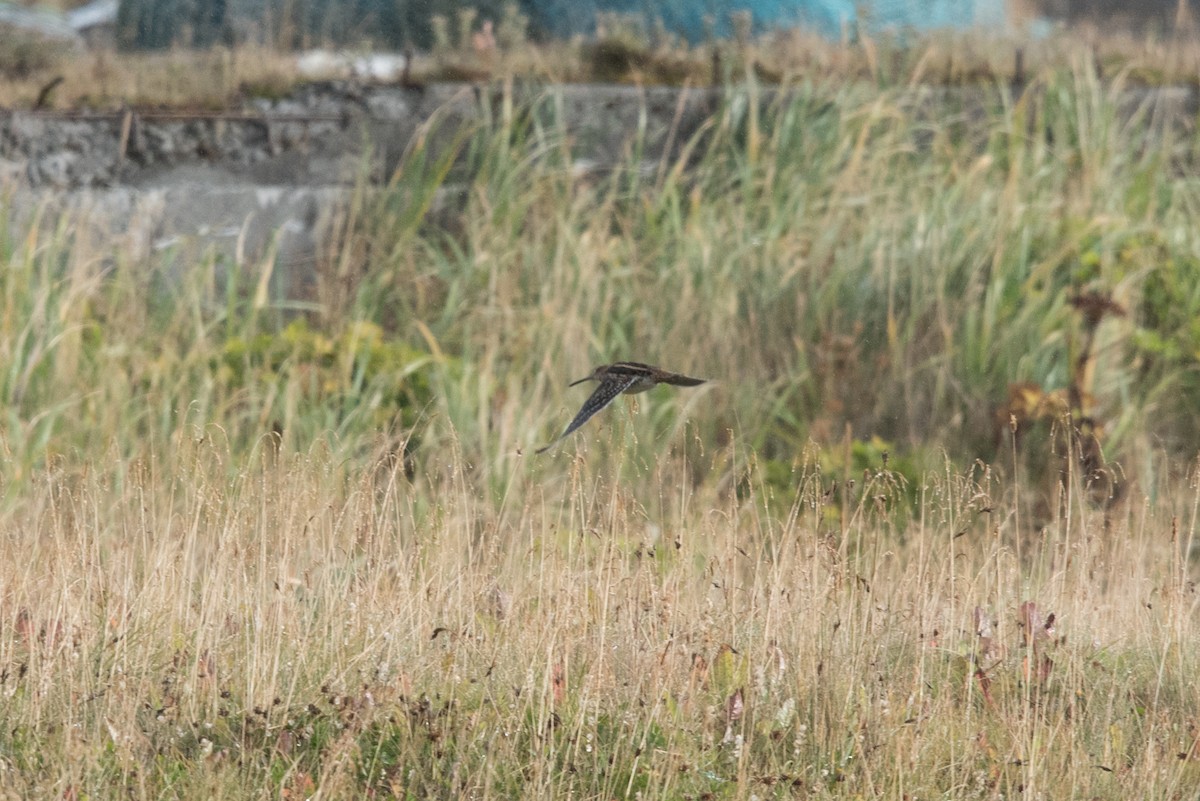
254, 545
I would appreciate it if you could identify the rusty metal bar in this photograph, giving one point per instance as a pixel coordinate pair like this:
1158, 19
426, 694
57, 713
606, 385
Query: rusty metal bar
223, 116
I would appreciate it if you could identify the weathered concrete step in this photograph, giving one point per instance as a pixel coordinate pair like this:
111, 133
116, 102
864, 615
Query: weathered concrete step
320, 134
276, 172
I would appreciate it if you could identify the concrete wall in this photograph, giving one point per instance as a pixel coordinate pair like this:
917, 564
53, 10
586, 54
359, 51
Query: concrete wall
276, 172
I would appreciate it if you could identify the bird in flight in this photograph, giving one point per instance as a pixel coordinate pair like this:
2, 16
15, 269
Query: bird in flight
617, 378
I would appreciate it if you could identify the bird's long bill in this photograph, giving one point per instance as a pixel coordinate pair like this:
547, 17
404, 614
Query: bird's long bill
678, 380
580, 381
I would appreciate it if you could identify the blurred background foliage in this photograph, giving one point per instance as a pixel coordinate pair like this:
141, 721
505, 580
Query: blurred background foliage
854, 272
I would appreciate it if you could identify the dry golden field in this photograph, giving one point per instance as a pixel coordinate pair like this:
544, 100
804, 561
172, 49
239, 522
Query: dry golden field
929, 532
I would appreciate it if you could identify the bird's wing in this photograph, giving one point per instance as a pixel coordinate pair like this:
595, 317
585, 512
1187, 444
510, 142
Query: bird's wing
605, 394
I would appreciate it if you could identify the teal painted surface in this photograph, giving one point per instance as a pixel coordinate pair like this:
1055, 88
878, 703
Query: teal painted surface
829, 17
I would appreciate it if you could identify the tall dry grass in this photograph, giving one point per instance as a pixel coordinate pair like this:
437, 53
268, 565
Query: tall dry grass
625, 52
202, 626
256, 546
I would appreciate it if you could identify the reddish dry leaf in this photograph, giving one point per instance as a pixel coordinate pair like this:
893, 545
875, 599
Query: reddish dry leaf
985, 632
734, 707
24, 625
206, 667
1043, 672
1029, 617
1036, 627
1193, 751
28, 631
699, 676
303, 785
558, 680
985, 686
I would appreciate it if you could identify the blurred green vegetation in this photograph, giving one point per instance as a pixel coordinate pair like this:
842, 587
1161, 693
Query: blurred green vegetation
838, 257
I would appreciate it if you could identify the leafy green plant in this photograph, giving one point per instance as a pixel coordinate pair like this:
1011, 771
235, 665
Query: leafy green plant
367, 381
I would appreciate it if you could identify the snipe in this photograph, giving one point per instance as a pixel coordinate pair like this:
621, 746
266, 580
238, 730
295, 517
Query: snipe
615, 379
